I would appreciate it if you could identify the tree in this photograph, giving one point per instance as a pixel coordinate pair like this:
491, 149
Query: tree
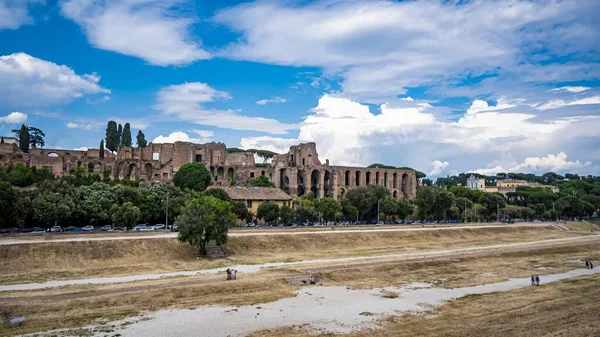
404, 208
102, 148
443, 201
286, 214
8, 198
240, 210
261, 181
305, 209
388, 206
426, 182
2, 140
194, 176
491, 202
126, 214
36, 137
50, 207
350, 211
218, 193
205, 219
328, 207
126, 136
20, 175
120, 134
141, 139
425, 201
24, 139
112, 136
96, 202
463, 203
268, 211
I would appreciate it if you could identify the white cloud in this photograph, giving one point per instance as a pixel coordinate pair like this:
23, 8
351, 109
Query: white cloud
561, 103
15, 13
156, 31
272, 100
204, 133
179, 136
408, 133
551, 162
98, 100
186, 102
14, 118
380, 47
438, 167
83, 148
572, 90
29, 81
82, 126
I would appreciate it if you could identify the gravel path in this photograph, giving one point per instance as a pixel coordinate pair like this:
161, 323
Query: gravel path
51, 238
245, 269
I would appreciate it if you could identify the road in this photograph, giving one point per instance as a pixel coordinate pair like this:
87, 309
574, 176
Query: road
52, 238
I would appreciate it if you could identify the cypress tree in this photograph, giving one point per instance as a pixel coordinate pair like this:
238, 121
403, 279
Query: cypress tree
120, 134
24, 139
112, 137
102, 148
126, 135
2, 140
141, 139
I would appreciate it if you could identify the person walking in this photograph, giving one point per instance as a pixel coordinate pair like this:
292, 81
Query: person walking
537, 280
587, 264
591, 265
532, 280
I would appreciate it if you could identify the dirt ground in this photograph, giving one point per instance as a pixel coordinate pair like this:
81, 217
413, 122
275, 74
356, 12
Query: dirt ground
45, 315
55, 261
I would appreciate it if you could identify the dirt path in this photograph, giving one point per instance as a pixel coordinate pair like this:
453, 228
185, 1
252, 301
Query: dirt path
51, 238
416, 259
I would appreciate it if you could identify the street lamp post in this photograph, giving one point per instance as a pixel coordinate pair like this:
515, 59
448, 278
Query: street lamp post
378, 211
167, 214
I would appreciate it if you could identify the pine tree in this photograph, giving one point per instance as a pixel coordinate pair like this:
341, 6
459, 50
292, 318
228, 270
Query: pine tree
36, 137
102, 148
120, 133
2, 140
126, 135
141, 139
112, 137
24, 139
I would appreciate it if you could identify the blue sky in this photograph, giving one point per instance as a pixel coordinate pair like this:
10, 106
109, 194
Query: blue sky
444, 87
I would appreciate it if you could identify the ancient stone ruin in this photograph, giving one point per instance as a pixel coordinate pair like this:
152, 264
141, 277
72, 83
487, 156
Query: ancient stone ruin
299, 171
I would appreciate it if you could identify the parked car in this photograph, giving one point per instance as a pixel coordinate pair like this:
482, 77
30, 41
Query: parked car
147, 229
56, 229
159, 227
88, 228
250, 224
107, 228
37, 230
140, 227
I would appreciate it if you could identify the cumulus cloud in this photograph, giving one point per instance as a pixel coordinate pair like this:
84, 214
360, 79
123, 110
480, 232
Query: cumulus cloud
204, 133
14, 118
29, 81
187, 102
438, 167
99, 100
561, 103
152, 30
415, 43
179, 136
15, 13
551, 162
409, 133
272, 100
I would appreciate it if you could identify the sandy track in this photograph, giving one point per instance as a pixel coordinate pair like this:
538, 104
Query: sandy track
417, 258
57, 238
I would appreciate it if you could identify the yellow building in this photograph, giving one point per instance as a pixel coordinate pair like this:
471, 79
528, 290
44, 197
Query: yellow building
254, 196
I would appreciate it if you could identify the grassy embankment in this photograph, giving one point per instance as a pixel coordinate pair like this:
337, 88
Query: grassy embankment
26, 263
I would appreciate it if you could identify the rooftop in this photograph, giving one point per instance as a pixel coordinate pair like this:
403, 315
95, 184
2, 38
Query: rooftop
255, 193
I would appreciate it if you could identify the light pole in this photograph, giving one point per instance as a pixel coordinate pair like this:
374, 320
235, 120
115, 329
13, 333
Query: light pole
167, 214
378, 211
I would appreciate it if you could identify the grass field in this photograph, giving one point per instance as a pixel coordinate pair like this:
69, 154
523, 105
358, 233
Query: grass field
53, 261
264, 287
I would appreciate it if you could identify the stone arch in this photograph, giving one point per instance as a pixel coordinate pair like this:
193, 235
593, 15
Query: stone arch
119, 170
262, 173
327, 182
405, 185
301, 191
395, 194
385, 179
212, 171
395, 180
309, 159
347, 178
149, 169
342, 193
368, 177
282, 178
132, 172
315, 177
230, 173
377, 178
357, 178
52, 154
220, 172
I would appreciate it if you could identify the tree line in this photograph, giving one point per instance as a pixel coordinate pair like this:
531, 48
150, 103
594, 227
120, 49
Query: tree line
28, 137
118, 135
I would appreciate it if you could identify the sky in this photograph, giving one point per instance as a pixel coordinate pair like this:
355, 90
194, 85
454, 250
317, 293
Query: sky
441, 86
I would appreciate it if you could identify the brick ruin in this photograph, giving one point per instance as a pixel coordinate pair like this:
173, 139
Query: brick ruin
297, 172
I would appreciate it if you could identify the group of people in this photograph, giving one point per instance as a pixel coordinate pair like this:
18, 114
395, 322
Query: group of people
588, 264
535, 280
231, 274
